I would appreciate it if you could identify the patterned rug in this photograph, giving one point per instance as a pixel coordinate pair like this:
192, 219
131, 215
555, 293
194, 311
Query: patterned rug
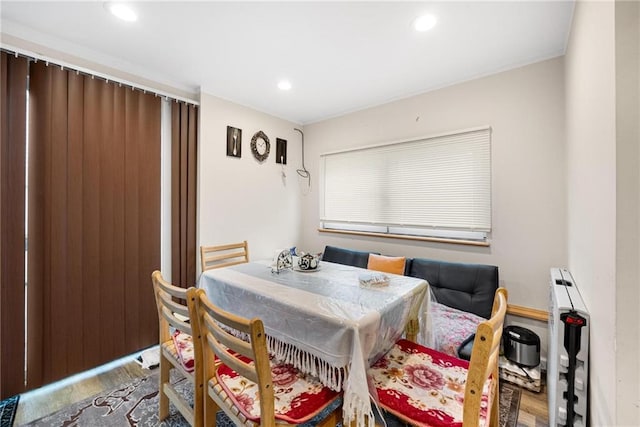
509, 404
136, 404
8, 409
133, 404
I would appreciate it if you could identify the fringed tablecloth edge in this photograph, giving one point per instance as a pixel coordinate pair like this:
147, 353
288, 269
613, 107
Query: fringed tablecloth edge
328, 375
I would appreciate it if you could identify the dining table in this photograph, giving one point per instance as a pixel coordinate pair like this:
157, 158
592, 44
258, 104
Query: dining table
324, 321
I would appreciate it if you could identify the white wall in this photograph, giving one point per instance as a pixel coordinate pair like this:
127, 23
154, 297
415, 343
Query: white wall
603, 157
591, 151
637, 404
627, 46
525, 108
239, 198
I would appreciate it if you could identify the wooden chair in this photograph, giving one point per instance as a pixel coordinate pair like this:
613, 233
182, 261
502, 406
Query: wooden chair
245, 385
223, 255
442, 387
175, 340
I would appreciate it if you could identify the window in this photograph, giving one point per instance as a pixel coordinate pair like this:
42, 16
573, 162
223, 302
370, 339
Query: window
433, 187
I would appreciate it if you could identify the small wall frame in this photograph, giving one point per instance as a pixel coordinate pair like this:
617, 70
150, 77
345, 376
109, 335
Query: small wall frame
234, 142
281, 151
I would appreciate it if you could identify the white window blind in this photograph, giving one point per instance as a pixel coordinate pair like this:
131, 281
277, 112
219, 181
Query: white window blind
428, 186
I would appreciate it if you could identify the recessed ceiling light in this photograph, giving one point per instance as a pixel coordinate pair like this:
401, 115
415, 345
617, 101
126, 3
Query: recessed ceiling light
425, 23
284, 85
122, 11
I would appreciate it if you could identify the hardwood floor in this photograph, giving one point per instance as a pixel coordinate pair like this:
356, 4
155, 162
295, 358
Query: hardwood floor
46, 400
534, 411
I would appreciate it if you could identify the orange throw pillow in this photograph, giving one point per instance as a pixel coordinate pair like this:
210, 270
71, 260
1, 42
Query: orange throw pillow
386, 264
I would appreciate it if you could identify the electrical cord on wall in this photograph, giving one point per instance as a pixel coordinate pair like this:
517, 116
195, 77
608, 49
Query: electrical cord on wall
303, 172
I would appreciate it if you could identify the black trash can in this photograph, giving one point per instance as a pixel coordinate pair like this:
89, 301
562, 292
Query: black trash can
521, 346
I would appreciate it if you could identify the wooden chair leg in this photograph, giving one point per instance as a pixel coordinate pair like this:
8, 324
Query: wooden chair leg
494, 421
198, 410
333, 419
354, 423
412, 329
211, 408
165, 368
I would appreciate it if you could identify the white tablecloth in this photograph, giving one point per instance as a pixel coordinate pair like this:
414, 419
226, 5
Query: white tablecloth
322, 322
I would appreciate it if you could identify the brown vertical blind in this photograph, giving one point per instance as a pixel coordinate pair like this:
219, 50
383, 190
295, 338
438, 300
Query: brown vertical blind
13, 106
184, 137
94, 222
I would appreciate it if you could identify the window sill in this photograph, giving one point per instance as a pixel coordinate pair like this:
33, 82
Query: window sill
406, 237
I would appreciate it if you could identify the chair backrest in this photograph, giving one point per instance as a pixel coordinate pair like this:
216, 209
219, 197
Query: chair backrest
172, 312
345, 256
484, 362
223, 255
217, 340
172, 308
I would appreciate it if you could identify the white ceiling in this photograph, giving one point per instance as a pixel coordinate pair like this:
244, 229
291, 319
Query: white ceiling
339, 56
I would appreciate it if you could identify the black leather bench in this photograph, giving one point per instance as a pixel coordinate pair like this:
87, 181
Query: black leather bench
346, 256
463, 286
467, 287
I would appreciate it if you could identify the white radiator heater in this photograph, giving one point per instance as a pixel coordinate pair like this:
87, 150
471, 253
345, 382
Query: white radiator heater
568, 353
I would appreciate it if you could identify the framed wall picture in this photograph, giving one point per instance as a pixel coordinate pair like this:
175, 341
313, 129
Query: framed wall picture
234, 142
281, 151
